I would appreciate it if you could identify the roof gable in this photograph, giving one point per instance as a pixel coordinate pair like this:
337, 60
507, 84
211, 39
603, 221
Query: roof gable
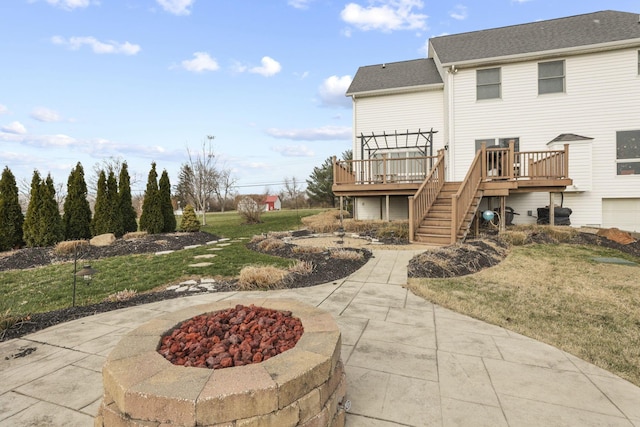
536, 37
395, 75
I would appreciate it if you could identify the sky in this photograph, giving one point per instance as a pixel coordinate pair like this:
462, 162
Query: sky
145, 81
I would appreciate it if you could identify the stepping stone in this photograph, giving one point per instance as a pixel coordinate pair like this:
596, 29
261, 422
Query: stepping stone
194, 289
207, 281
212, 242
182, 289
215, 249
188, 283
173, 287
164, 252
224, 244
208, 288
201, 264
224, 239
192, 246
206, 256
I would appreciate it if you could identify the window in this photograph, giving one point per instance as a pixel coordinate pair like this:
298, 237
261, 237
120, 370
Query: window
488, 83
550, 77
628, 152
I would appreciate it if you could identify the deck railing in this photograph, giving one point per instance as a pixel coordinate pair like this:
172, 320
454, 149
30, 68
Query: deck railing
462, 200
382, 170
421, 202
506, 163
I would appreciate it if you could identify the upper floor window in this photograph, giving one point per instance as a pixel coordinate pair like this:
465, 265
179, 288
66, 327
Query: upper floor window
628, 152
550, 77
488, 83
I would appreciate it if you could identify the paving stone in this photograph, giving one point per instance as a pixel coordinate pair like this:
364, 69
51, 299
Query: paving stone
164, 252
205, 256
189, 282
224, 244
192, 246
201, 264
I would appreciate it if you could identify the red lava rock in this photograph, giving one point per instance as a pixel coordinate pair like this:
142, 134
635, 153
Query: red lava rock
234, 337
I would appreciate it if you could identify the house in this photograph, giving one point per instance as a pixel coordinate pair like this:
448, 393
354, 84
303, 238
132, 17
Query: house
272, 203
529, 116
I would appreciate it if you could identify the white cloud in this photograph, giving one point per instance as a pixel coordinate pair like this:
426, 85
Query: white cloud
459, 12
385, 15
16, 128
43, 114
177, 7
200, 63
294, 151
324, 133
75, 43
299, 4
269, 67
3, 109
69, 4
332, 91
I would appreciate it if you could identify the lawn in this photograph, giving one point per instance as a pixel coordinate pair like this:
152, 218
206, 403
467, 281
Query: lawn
49, 288
557, 294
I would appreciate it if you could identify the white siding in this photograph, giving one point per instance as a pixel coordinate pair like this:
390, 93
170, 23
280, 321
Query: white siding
399, 112
367, 208
602, 93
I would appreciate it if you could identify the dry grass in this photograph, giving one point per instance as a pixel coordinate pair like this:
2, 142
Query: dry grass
67, 247
301, 268
258, 238
134, 235
279, 234
324, 222
271, 244
329, 222
122, 295
307, 249
556, 294
345, 254
262, 277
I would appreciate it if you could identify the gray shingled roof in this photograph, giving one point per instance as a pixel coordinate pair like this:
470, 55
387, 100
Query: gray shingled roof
574, 31
394, 75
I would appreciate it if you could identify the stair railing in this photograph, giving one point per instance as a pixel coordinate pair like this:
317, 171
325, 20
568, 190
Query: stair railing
462, 200
421, 202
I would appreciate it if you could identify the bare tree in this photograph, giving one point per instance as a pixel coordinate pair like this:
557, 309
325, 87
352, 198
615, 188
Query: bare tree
292, 192
224, 188
201, 175
109, 164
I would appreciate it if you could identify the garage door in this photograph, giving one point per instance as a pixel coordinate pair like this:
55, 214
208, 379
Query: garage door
621, 213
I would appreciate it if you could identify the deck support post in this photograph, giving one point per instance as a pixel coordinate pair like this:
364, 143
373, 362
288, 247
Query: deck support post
503, 222
552, 209
387, 208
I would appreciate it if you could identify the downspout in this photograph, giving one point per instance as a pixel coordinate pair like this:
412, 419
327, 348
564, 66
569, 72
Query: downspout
451, 72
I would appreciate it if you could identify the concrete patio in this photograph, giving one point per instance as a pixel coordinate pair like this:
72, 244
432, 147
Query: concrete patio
408, 363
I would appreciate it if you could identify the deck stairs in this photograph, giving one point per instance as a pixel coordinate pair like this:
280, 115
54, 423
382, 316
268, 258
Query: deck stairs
435, 227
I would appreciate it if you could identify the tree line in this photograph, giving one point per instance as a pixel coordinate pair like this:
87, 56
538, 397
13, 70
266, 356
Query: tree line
43, 225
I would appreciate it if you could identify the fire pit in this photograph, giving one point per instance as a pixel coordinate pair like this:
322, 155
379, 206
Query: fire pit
302, 386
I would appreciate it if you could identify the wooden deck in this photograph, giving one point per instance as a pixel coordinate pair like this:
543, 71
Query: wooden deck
441, 212
503, 172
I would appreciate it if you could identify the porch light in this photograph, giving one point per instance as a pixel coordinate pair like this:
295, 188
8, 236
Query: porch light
86, 273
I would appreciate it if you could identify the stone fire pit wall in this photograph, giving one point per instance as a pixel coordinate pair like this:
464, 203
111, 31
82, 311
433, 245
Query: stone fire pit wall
304, 386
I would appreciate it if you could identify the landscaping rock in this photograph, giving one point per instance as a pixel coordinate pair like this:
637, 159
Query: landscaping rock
106, 239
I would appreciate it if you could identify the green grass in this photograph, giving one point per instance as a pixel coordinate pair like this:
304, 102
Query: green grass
557, 294
49, 288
